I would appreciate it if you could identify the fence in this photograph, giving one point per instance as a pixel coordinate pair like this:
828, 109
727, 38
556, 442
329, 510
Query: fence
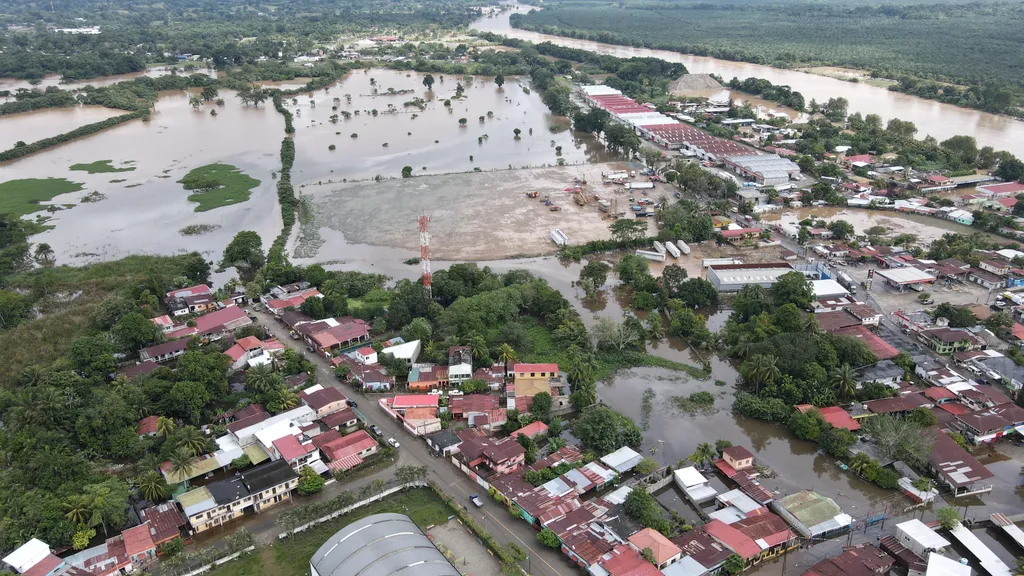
351, 507
219, 561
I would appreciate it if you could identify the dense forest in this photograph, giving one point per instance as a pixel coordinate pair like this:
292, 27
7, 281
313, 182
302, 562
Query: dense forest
975, 44
231, 33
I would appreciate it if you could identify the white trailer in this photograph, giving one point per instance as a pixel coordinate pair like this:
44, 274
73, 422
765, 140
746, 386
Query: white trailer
720, 261
559, 238
683, 247
639, 185
672, 249
659, 247
655, 256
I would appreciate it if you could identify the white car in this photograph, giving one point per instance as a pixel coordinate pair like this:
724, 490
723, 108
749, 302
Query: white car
393, 442
435, 392
455, 392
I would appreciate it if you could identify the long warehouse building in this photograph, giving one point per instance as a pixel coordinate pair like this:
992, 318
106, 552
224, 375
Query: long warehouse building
733, 277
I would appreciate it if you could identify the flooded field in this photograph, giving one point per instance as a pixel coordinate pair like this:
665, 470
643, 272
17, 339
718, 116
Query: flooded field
33, 126
430, 140
760, 105
13, 84
143, 214
926, 228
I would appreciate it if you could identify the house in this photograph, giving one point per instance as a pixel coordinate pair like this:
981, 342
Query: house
834, 415
497, 456
164, 352
768, 531
199, 289
885, 372
622, 460
858, 161
148, 426
532, 430
989, 424
199, 303
460, 364
702, 554
738, 457
346, 420
624, 560
694, 485
997, 267
408, 352
215, 325
220, 502
462, 406
949, 340
860, 560
324, 401
737, 542
956, 467
424, 377
349, 451
532, 379
812, 515
445, 442
372, 378
164, 522
985, 279
293, 300
333, 334
251, 351
366, 355
295, 453
662, 549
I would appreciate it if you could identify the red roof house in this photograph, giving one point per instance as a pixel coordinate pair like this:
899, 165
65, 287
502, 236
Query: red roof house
147, 426
732, 539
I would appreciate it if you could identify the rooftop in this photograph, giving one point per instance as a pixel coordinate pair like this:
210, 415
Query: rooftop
662, 548
380, 545
268, 475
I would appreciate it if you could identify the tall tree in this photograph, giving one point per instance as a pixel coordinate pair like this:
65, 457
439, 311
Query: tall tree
153, 487
845, 382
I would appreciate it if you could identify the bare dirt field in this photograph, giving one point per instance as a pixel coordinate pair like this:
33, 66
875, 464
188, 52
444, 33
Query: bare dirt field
473, 216
463, 549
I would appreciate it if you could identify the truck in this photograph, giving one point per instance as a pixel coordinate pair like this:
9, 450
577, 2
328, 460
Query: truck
639, 185
604, 205
655, 256
683, 247
672, 249
846, 282
659, 247
476, 501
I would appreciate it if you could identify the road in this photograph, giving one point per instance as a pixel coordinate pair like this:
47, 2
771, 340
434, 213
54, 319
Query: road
493, 517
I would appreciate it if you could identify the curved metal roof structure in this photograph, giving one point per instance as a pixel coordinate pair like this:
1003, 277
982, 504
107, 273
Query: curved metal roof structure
380, 545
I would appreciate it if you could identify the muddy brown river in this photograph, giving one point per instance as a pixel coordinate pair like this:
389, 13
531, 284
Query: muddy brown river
931, 117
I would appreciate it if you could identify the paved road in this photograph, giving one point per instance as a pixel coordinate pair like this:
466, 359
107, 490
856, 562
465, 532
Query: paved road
413, 451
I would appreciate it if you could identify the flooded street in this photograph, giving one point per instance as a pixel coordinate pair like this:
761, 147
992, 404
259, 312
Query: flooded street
144, 213
931, 117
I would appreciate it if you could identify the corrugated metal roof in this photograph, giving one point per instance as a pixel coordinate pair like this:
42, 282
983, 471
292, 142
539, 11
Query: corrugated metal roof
380, 545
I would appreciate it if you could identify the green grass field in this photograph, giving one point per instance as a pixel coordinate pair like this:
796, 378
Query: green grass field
290, 557
24, 196
217, 185
100, 167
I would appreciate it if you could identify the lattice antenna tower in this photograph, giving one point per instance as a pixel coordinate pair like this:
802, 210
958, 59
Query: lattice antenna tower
425, 252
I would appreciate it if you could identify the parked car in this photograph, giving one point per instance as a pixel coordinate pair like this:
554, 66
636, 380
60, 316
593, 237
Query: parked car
309, 348
435, 392
393, 442
376, 430
476, 501
455, 392
352, 403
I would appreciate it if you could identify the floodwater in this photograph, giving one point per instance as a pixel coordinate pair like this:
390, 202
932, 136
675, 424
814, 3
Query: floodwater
760, 105
931, 117
926, 228
13, 84
143, 214
38, 124
432, 142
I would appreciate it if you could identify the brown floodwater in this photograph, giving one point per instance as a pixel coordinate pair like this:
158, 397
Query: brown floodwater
433, 141
13, 84
931, 117
38, 124
143, 214
926, 228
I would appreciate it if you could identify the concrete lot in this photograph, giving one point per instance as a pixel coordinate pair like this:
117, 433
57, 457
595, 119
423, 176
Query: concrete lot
463, 549
474, 216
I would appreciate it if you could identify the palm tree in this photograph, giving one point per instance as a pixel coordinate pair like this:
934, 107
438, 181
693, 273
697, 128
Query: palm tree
181, 463
289, 399
153, 487
77, 509
705, 453
98, 500
761, 369
506, 355
165, 426
581, 367
192, 440
555, 444
844, 382
859, 462
260, 378
44, 254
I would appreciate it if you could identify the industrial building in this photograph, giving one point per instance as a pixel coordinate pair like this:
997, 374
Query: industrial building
733, 277
906, 277
380, 545
765, 169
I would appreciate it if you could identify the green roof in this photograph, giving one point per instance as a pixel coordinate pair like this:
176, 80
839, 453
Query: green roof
199, 466
256, 453
810, 508
193, 497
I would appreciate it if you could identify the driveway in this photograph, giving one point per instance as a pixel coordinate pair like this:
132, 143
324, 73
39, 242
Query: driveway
493, 516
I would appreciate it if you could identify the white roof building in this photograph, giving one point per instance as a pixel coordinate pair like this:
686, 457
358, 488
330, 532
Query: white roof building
917, 537
27, 555
827, 289
408, 351
301, 415
939, 565
622, 460
694, 485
